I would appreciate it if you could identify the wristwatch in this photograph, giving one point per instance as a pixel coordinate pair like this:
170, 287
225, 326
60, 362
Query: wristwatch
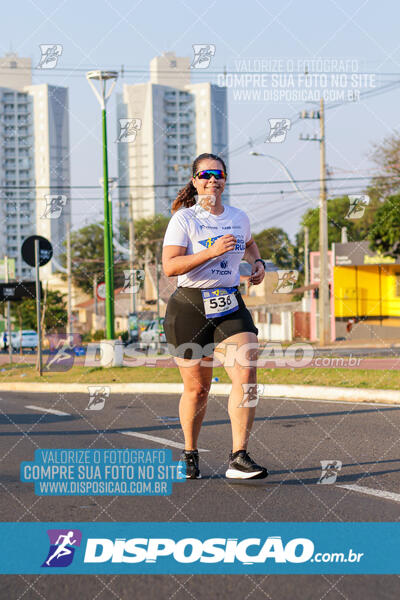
260, 260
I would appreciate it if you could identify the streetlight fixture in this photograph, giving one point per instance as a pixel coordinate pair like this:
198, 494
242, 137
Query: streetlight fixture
102, 96
286, 171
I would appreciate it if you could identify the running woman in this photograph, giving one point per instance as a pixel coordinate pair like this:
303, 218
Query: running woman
204, 244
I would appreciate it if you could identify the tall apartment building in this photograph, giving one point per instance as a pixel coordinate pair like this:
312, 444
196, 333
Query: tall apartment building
34, 162
172, 121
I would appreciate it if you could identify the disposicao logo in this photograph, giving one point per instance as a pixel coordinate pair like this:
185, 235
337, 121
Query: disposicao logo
191, 550
62, 547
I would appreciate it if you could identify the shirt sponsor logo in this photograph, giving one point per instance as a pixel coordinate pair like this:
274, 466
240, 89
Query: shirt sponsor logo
210, 241
223, 264
240, 244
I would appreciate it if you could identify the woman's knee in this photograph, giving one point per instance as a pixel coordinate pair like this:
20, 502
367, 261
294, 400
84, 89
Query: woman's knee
197, 391
244, 375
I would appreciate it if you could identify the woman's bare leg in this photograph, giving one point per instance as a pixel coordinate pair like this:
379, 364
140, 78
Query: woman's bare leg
241, 368
196, 376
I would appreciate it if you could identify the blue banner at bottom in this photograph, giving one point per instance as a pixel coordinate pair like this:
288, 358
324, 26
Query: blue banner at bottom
196, 548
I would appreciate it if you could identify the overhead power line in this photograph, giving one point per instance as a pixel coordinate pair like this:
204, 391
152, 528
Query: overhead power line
175, 185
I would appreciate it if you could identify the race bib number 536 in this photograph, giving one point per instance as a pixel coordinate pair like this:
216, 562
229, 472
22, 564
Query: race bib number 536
219, 302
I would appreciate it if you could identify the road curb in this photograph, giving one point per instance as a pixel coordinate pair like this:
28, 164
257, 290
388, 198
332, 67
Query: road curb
312, 392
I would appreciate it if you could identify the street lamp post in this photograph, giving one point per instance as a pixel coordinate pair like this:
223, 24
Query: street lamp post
286, 171
112, 184
103, 96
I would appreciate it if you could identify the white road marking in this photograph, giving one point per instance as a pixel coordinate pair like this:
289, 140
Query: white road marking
376, 404
154, 438
52, 411
372, 492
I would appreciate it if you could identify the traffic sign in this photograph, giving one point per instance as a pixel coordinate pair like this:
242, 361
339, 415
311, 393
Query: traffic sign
16, 290
28, 250
101, 291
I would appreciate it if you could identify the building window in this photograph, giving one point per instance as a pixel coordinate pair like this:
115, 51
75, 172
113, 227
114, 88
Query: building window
397, 284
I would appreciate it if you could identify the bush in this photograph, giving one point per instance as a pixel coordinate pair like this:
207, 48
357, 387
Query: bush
100, 334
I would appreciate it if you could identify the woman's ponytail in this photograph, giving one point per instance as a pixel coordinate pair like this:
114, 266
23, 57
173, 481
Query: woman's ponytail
185, 197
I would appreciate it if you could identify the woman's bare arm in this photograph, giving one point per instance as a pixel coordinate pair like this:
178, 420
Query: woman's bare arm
176, 262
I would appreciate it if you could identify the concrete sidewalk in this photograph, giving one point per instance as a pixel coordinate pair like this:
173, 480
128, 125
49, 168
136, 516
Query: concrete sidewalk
311, 392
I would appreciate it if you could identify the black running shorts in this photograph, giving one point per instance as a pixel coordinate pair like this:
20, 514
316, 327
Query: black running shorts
190, 334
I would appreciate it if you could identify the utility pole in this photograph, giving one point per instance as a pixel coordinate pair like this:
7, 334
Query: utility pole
95, 299
324, 329
158, 269
324, 322
132, 251
306, 266
69, 275
9, 314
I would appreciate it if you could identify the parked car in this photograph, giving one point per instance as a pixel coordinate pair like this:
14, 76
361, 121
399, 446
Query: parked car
27, 338
154, 333
5, 340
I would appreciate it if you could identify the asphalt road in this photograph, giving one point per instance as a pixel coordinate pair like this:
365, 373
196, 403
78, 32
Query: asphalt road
291, 437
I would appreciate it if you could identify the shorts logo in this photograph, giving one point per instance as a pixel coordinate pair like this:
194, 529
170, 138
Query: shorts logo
208, 242
62, 547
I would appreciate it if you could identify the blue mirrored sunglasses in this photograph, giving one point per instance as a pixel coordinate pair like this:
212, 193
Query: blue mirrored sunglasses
208, 173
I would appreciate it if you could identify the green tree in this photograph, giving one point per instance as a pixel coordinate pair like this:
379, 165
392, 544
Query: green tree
274, 244
148, 233
338, 208
87, 256
386, 157
87, 250
55, 317
384, 234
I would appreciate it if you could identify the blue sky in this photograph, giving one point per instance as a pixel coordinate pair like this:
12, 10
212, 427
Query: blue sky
108, 34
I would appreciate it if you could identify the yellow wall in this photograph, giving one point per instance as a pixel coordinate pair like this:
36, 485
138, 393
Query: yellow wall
360, 285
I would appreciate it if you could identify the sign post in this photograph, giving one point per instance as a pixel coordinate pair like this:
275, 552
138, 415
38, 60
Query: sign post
37, 252
39, 365
8, 313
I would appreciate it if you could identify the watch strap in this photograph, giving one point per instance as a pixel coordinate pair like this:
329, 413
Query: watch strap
260, 260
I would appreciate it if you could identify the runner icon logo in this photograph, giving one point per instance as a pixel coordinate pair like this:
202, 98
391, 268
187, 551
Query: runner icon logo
62, 547
286, 281
54, 206
278, 129
203, 54
128, 129
50, 55
330, 471
357, 206
251, 395
98, 394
